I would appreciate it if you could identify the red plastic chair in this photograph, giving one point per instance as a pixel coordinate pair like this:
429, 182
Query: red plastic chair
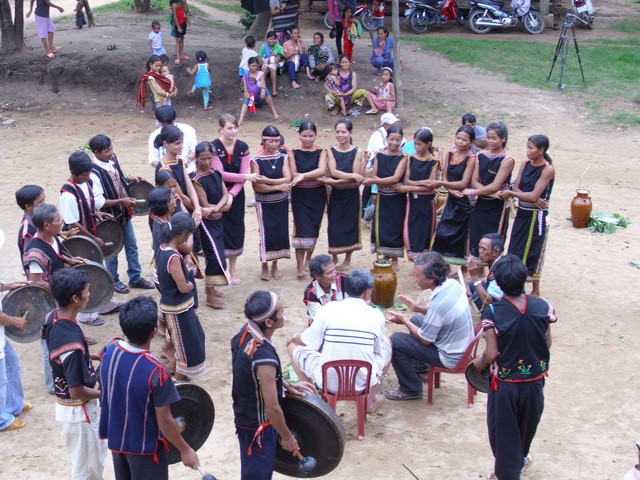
434, 372
347, 372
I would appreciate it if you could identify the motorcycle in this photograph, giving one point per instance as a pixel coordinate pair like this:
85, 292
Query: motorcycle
423, 14
488, 14
584, 9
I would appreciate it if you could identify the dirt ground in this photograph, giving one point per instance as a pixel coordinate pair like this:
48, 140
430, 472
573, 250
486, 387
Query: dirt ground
590, 422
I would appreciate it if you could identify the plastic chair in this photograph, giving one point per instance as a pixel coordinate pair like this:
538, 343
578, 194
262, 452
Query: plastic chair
434, 372
347, 372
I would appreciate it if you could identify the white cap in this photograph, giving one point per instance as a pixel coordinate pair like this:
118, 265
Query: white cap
389, 118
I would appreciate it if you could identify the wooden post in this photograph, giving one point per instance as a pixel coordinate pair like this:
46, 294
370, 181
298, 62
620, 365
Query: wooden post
397, 59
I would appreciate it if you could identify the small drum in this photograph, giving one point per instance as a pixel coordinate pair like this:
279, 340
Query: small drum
140, 190
319, 432
101, 286
110, 231
194, 414
31, 302
478, 380
84, 247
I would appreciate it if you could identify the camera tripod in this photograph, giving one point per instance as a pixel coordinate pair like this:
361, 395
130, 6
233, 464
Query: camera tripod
563, 48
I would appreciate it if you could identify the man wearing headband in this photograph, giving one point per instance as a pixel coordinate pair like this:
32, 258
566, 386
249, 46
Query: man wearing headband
258, 387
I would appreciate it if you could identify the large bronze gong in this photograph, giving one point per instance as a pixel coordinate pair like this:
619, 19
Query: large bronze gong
194, 414
84, 247
111, 234
319, 432
140, 190
31, 302
101, 286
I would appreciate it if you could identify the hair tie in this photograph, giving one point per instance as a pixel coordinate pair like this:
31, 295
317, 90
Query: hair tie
267, 137
269, 312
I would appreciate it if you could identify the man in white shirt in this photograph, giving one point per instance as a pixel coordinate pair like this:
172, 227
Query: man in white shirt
166, 115
349, 329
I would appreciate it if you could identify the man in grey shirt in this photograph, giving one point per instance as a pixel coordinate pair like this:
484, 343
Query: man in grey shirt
438, 334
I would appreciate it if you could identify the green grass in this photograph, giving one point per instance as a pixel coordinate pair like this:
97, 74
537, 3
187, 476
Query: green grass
610, 67
628, 26
224, 7
127, 6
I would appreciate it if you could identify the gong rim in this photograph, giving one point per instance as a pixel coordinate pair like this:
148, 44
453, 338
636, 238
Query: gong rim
319, 432
140, 190
110, 231
15, 304
101, 286
191, 409
84, 247
478, 380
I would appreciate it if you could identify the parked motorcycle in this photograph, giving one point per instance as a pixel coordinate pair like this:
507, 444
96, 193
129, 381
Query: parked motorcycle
486, 15
584, 9
423, 14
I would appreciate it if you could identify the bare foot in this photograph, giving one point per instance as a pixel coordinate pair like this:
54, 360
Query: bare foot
334, 111
275, 273
276, 116
189, 93
274, 94
235, 281
315, 79
344, 113
295, 85
311, 77
344, 267
216, 303
218, 293
300, 274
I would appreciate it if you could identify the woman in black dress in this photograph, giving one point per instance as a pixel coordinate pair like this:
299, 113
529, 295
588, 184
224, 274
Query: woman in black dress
308, 195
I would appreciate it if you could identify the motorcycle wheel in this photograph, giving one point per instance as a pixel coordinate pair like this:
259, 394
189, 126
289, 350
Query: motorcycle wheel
474, 17
459, 18
533, 23
367, 19
418, 23
327, 21
588, 20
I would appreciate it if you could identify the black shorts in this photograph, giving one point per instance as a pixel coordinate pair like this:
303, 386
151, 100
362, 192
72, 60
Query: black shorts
184, 30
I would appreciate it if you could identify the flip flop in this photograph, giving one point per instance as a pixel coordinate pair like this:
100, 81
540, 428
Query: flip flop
26, 407
177, 61
396, 394
56, 49
371, 112
15, 425
375, 408
49, 55
90, 341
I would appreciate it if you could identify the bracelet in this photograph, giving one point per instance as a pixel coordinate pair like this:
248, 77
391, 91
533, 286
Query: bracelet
477, 282
471, 192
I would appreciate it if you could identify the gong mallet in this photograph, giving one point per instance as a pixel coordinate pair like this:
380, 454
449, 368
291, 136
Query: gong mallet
306, 464
206, 476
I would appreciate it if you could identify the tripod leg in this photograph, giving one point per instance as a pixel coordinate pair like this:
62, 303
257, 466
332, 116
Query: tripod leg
555, 56
563, 61
575, 43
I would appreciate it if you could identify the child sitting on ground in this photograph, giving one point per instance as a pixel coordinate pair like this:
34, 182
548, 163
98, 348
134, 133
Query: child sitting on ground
203, 78
332, 84
384, 96
272, 56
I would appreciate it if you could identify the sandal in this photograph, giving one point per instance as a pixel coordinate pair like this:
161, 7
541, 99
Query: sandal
371, 112
26, 407
50, 55
90, 341
377, 405
15, 425
121, 288
94, 322
396, 394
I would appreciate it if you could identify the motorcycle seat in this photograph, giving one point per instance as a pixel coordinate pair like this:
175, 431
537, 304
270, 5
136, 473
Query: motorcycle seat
498, 5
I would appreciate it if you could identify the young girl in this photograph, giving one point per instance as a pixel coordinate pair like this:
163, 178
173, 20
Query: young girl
160, 86
492, 174
452, 234
231, 158
177, 300
343, 210
179, 12
389, 167
166, 178
533, 190
212, 195
255, 91
332, 87
272, 202
308, 195
203, 78
420, 221
352, 31
384, 96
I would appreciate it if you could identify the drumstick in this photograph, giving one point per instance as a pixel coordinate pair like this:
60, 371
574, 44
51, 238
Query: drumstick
24, 315
108, 244
141, 200
205, 476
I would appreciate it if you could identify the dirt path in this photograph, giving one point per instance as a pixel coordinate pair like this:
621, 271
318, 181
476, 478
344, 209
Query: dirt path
589, 424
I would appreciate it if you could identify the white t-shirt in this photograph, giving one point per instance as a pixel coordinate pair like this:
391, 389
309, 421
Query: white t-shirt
34, 267
69, 210
349, 329
247, 53
188, 147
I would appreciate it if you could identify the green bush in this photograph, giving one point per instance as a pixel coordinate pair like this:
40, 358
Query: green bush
246, 20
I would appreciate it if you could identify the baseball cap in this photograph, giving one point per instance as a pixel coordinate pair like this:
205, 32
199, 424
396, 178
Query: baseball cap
389, 118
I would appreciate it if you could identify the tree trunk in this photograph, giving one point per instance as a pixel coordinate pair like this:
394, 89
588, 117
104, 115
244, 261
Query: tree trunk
260, 25
142, 6
11, 33
90, 21
397, 59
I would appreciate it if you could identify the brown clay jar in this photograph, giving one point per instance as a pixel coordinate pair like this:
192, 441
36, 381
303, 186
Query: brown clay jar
384, 284
581, 207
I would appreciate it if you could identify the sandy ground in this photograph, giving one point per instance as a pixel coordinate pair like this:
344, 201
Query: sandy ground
590, 423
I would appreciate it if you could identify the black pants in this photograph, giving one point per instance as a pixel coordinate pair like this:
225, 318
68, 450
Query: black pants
140, 467
513, 414
339, 31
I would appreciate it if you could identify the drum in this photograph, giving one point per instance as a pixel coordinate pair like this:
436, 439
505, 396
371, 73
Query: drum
111, 234
319, 432
31, 302
140, 190
101, 285
478, 380
194, 414
84, 247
